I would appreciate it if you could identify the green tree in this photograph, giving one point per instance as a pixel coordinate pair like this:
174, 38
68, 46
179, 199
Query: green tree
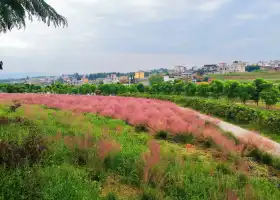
156, 79
166, 87
190, 89
13, 14
251, 68
231, 89
203, 90
179, 87
86, 89
122, 89
140, 87
260, 84
217, 88
270, 96
104, 89
155, 88
132, 89
147, 89
245, 91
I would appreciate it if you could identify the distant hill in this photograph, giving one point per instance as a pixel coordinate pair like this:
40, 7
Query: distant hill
15, 75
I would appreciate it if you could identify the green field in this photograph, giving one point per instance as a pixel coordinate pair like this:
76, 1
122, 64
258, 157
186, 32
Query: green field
39, 163
247, 76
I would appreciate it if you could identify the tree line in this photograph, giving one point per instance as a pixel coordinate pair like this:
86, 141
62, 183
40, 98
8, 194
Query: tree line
257, 90
233, 90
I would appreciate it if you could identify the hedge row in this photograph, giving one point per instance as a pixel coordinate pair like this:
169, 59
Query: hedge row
269, 120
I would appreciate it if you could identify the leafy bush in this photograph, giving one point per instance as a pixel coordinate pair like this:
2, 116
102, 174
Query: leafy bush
141, 128
111, 196
261, 156
223, 168
149, 194
183, 138
242, 180
162, 135
29, 152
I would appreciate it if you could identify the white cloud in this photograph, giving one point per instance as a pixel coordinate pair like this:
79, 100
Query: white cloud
13, 43
246, 16
212, 5
138, 10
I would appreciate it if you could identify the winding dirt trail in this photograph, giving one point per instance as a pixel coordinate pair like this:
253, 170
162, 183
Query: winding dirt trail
246, 136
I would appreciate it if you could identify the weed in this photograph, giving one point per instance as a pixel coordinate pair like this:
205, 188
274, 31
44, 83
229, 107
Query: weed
21, 183
16, 105
4, 120
242, 180
267, 159
110, 161
111, 196
207, 142
141, 128
80, 157
223, 168
231, 137
260, 156
96, 176
13, 155
151, 158
149, 194
276, 163
162, 135
183, 138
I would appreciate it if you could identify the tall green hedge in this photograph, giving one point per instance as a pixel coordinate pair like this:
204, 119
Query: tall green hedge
269, 120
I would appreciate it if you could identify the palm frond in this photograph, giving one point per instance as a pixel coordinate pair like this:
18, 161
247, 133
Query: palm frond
13, 14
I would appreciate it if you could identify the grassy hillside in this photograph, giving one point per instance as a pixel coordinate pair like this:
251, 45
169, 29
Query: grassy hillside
248, 76
52, 154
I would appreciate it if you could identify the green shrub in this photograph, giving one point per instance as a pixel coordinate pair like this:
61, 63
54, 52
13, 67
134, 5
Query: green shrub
141, 128
183, 138
111, 196
207, 142
242, 180
221, 167
261, 156
149, 194
162, 135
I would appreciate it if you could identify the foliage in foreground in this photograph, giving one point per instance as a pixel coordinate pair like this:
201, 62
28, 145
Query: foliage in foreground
141, 169
13, 14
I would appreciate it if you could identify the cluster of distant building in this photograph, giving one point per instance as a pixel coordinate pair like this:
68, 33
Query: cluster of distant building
240, 66
178, 72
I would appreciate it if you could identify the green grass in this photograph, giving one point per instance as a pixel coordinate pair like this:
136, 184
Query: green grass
248, 76
60, 172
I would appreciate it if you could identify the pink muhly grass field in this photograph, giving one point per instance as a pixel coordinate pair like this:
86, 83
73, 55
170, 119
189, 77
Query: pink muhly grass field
157, 115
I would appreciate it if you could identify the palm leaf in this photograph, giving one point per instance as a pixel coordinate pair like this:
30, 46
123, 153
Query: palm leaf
13, 14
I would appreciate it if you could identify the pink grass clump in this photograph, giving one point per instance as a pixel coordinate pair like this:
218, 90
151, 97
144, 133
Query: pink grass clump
157, 115
151, 158
105, 147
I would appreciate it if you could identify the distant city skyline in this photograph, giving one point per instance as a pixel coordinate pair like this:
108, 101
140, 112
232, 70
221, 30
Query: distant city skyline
139, 35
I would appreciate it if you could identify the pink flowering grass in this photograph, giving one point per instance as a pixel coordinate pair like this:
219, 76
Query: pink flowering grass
157, 115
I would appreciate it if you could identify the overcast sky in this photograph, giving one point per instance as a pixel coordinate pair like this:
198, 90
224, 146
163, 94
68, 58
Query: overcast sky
129, 35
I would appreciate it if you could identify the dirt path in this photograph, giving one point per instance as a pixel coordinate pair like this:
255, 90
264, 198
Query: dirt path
244, 135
